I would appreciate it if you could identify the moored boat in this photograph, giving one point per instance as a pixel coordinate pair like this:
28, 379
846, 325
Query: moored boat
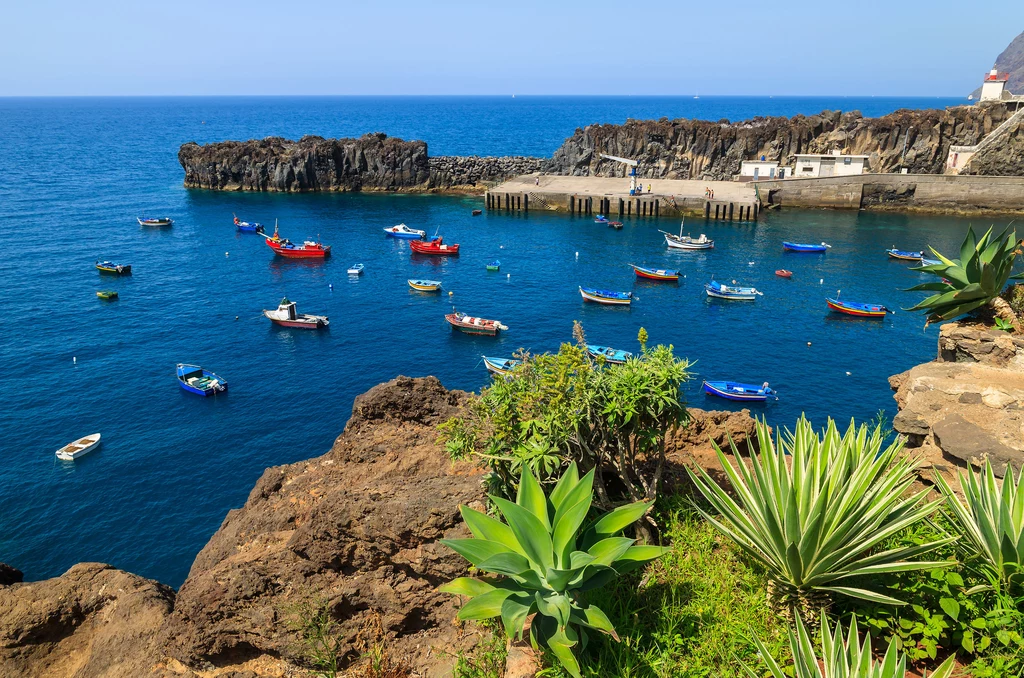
736, 293
930, 262
471, 325
111, 267
246, 227
606, 296
500, 365
617, 225
404, 232
425, 285
904, 255
857, 309
162, 221
611, 355
685, 242
494, 265
80, 447
310, 249
195, 379
734, 390
805, 247
655, 273
355, 269
435, 245
783, 273
477, 213
107, 294
600, 219
286, 316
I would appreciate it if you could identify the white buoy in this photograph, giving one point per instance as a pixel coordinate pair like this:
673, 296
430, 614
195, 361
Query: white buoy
74, 360
225, 254
847, 374
808, 343
450, 293
821, 282
577, 255
331, 286
508, 276
236, 317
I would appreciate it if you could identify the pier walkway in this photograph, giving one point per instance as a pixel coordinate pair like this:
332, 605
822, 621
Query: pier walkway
735, 201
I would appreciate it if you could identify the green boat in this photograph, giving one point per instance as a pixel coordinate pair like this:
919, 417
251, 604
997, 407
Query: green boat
494, 266
107, 294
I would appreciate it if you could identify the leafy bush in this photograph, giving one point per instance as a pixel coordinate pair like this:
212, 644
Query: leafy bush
547, 561
812, 510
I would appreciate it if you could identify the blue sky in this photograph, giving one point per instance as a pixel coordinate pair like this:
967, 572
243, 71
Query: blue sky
896, 47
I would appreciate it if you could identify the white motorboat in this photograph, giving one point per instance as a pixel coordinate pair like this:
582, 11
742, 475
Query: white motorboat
80, 447
685, 242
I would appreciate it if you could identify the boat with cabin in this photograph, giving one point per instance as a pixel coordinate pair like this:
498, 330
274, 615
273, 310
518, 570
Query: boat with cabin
904, 255
734, 390
80, 447
468, 324
435, 245
500, 366
309, 249
685, 242
606, 296
112, 268
734, 292
161, 221
857, 309
805, 247
611, 355
655, 273
246, 227
425, 285
285, 315
404, 232
356, 269
195, 379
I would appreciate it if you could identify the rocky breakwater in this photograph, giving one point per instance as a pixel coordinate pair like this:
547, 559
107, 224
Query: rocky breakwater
968, 404
455, 172
700, 149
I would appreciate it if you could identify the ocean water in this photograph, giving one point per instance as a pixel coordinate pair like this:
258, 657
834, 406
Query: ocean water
78, 171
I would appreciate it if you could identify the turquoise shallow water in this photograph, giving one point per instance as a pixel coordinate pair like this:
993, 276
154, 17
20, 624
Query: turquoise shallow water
77, 172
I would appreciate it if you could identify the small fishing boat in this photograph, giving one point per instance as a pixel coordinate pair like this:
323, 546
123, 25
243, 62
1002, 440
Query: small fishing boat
600, 219
500, 365
80, 447
857, 309
611, 355
286, 316
904, 255
107, 294
310, 249
195, 379
930, 262
246, 227
111, 267
470, 325
162, 221
804, 247
617, 225
404, 232
606, 296
733, 390
477, 213
494, 266
434, 246
655, 273
720, 291
355, 269
425, 285
783, 273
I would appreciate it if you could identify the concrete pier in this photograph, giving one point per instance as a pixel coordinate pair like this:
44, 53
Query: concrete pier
733, 201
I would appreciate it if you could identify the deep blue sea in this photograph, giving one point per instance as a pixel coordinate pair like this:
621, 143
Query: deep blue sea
76, 172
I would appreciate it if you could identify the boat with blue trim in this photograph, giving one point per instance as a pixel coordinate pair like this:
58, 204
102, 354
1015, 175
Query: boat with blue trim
719, 291
160, 221
734, 390
494, 265
356, 269
655, 273
246, 227
904, 255
805, 247
500, 365
606, 296
195, 379
111, 267
405, 233
611, 355
857, 309
425, 285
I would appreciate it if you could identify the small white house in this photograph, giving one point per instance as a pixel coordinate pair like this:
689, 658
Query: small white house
761, 169
833, 164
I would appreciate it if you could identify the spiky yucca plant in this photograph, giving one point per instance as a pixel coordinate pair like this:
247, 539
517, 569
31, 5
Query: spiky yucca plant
841, 657
813, 510
974, 280
991, 517
547, 561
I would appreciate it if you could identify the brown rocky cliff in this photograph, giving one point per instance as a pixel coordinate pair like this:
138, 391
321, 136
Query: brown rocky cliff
1011, 62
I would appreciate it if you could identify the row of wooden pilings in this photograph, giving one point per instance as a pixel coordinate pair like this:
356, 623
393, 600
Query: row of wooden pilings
648, 206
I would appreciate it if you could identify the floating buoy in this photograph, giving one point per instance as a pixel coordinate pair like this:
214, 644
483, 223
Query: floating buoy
501, 247
236, 317
750, 263
577, 255
847, 374
225, 254
450, 293
821, 282
74, 360
808, 343
331, 286
508, 276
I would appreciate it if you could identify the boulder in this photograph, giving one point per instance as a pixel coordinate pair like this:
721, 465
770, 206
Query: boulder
10, 575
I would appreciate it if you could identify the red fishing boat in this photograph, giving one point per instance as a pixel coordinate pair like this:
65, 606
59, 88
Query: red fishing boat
783, 273
434, 246
310, 249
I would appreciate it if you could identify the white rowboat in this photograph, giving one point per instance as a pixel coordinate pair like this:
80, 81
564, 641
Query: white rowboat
80, 447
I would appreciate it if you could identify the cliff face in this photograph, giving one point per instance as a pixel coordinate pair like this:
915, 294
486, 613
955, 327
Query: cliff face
697, 149
1011, 61
372, 162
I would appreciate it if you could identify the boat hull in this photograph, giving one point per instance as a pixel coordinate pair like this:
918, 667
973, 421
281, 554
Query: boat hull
155, 222
800, 247
717, 293
485, 328
500, 366
125, 269
905, 256
611, 355
301, 252
840, 307
652, 274
424, 286
298, 323
432, 249
749, 394
610, 301
79, 448
184, 374
676, 244
783, 273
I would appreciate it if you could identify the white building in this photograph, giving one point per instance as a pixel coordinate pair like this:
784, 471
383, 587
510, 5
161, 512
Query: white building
993, 88
761, 169
833, 164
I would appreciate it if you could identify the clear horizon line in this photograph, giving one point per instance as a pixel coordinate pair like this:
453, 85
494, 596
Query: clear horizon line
502, 95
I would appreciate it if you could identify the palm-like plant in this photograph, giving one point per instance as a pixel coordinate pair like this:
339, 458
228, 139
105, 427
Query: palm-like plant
812, 510
841, 657
991, 517
547, 561
974, 280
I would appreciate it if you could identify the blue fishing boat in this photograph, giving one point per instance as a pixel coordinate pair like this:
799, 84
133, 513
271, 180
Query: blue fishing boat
195, 379
246, 227
733, 292
904, 255
929, 262
500, 365
606, 296
804, 247
600, 219
734, 390
857, 309
612, 355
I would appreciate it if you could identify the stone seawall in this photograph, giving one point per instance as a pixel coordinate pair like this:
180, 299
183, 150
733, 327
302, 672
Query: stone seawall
454, 171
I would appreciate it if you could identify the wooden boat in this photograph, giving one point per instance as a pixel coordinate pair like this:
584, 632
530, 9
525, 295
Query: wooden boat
494, 266
195, 379
356, 269
611, 355
720, 291
606, 296
733, 390
111, 267
783, 273
857, 309
404, 232
246, 227
80, 447
617, 225
804, 247
681, 242
655, 273
500, 365
470, 325
434, 246
107, 294
904, 255
286, 316
477, 213
162, 221
425, 285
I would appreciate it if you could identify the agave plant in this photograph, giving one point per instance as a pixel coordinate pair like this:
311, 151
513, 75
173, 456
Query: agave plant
547, 560
974, 280
841, 657
812, 510
991, 517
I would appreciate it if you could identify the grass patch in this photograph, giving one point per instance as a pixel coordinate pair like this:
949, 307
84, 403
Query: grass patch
487, 659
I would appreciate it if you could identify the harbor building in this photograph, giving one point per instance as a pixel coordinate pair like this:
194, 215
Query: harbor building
753, 170
834, 164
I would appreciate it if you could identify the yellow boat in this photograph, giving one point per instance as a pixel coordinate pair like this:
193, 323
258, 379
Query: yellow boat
107, 294
425, 285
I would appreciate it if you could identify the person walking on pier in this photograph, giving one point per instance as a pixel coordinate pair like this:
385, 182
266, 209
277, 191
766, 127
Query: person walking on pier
648, 188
